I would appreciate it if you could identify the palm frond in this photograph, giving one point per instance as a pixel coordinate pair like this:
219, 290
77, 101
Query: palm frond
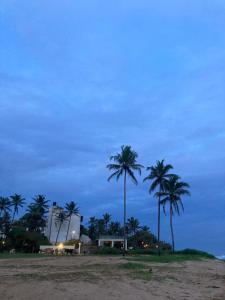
113, 175
131, 174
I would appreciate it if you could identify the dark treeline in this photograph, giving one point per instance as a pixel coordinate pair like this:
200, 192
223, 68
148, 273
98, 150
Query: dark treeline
138, 236
27, 231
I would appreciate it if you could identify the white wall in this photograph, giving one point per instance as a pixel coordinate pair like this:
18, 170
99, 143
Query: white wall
74, 230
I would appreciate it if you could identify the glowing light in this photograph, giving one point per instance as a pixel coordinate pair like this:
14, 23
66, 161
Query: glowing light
73, 232
60, 246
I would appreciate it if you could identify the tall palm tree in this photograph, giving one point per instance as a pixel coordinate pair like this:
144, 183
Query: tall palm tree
71, 209
17, 201
107, 219
4, 205
158, 175
41, 202
133, 225
173, 191
61, 217
124, 163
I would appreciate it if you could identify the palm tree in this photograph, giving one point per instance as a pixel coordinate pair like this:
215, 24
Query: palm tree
158, 173
107, 219
133, 225
173, 191
125, 163
4, 205
41, 202
145, 228
92, 228
16, 201
71, 209
61, 217
33, 219
115, 228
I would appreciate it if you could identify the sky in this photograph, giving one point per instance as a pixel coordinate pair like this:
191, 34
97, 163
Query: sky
78, 79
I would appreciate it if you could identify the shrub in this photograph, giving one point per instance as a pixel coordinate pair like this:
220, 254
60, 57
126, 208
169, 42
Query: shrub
195, 252
108, 251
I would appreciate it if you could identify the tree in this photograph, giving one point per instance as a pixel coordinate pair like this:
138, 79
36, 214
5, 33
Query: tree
100, 227
124, 163
115, 228
17, 201
145, 228
106, 219
158, 175
41, 203
173, 191
4, 205
61, 217
71, 209
33, 220
92, 228
142, 239
133, 225
5, 222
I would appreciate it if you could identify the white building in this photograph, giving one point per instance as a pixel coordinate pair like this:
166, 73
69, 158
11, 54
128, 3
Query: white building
52, 226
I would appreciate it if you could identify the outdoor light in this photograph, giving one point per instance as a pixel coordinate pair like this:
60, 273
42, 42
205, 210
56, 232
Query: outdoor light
73, 232
60, 246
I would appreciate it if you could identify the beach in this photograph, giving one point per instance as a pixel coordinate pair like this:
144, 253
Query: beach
110, 277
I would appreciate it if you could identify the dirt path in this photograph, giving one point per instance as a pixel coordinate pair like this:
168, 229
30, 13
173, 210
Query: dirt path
98, 278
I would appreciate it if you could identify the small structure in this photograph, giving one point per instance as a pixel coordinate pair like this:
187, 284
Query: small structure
60, 249
112, 241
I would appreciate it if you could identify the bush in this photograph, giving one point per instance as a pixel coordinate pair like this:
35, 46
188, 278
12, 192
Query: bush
147, 251
108, 251
195, 252
25, 241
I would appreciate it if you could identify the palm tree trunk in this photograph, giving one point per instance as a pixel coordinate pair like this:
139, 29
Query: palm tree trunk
159, 206
58, 233
124, 215
13, 216
68, 228
171, 226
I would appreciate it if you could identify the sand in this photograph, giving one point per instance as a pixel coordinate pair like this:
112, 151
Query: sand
97, 277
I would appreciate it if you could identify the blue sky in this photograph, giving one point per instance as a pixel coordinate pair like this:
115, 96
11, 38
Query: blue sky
78, 79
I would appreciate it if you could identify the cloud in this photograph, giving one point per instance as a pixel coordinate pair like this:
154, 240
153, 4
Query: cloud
77, 81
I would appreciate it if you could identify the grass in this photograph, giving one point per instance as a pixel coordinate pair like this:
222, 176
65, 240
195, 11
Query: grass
22, 255
166, 258
137, 270
132, 266
141, 274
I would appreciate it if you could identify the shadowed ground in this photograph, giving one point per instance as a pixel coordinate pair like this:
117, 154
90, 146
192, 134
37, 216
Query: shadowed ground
110, 277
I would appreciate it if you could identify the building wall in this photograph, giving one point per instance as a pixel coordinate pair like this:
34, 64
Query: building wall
52, 226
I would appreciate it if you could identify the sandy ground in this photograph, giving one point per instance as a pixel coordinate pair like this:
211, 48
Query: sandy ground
93, 277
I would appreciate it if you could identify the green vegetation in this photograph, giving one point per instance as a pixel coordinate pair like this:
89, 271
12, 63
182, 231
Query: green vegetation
195, 252
107, 251
6, 255
138, 270
169, 258
133, 266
